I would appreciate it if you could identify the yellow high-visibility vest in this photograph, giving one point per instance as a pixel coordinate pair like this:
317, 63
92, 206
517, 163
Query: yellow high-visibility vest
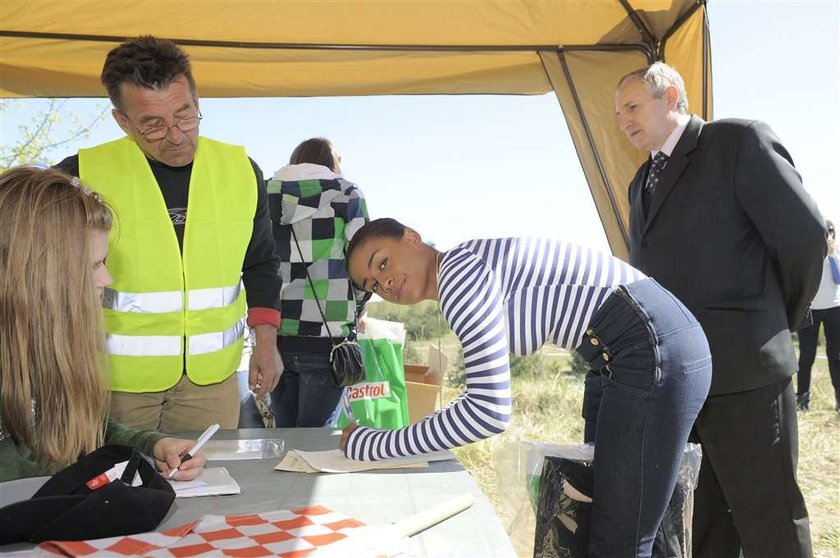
169, 311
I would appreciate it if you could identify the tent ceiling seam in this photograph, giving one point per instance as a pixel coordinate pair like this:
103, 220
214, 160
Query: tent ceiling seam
310, 46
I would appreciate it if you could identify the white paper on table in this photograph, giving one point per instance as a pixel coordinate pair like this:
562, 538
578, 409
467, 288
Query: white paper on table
294, 463
334, 461
187, 485
213, 481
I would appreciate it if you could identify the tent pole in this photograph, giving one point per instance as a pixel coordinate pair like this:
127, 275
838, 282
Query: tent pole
618, 250
647, 36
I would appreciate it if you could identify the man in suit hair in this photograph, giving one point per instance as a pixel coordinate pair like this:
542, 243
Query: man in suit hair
719, 217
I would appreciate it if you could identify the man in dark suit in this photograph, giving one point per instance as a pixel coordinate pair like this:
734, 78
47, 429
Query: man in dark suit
719, 217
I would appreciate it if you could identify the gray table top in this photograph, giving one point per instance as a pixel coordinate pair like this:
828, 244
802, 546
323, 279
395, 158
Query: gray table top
373, 497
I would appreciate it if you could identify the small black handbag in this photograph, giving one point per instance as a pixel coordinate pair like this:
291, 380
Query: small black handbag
77, 503
346, 364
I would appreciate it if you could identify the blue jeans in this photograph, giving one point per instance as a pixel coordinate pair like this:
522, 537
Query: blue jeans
305, 396
654, 371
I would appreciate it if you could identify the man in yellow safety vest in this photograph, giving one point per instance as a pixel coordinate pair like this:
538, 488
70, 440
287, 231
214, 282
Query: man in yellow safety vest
192, 229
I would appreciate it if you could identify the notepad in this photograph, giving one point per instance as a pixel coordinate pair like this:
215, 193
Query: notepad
213, 481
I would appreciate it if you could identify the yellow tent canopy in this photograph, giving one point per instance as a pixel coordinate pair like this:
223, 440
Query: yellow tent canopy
578, 49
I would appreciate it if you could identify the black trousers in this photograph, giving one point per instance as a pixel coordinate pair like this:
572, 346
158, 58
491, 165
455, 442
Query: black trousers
747, 496
830, 320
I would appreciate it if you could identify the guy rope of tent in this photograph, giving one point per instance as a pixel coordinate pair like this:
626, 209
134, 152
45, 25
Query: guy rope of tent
578, 49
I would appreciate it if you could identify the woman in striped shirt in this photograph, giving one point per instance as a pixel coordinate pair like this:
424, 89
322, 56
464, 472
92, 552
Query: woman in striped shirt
513, 295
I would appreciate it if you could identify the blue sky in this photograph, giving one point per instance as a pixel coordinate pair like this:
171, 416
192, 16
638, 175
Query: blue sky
459, 167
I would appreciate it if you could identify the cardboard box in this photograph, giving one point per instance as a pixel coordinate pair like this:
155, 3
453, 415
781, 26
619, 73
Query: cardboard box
423, 384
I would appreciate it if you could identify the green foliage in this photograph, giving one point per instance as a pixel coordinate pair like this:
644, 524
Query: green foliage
530, 366
456, 376
579, 366
50, 128
411, 353
534, 365
422, 321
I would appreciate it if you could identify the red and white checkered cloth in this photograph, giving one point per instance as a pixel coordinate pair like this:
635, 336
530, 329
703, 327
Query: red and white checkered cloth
291, 533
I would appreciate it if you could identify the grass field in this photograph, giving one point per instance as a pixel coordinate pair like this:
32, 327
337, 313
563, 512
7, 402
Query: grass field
546, 408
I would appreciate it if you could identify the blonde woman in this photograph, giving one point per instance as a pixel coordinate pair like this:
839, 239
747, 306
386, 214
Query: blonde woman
53, 401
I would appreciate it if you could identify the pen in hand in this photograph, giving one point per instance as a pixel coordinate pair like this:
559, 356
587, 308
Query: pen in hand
212, 429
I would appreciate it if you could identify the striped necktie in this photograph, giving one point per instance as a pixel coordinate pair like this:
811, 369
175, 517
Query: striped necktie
659, 162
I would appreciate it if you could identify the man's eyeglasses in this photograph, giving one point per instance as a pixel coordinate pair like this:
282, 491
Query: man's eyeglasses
157, 133
829, 231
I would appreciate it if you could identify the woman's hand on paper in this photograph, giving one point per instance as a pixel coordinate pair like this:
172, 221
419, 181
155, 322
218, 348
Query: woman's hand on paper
169, 453
345, 435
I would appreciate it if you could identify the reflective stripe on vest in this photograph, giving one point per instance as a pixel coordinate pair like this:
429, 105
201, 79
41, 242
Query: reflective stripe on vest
143, 345
209, 342
170, 345
169, 301
204, 299
143, 303
174, 308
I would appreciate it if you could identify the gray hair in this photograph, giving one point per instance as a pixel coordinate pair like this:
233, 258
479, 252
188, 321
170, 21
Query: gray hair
657, 78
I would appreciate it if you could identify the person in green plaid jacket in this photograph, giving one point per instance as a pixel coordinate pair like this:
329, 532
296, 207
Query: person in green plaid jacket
310, 197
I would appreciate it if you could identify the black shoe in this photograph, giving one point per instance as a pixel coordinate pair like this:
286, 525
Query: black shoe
803, 400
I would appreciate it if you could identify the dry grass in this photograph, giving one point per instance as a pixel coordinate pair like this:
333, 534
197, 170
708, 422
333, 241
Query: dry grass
819, 464
547, 409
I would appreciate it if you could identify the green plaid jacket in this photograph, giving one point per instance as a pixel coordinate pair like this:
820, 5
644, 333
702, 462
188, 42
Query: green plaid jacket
325, 211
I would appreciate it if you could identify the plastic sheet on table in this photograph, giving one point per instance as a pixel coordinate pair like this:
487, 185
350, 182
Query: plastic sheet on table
235, 450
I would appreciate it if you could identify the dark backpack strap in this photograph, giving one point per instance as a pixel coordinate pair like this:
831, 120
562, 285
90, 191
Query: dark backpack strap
131, 468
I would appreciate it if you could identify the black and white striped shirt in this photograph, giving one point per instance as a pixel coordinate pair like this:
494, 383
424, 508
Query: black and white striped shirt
501, 296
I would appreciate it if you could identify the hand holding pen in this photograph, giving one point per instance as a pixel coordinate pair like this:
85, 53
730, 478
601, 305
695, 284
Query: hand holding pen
181, 457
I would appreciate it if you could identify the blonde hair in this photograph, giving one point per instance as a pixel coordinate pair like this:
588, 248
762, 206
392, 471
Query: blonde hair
53, 400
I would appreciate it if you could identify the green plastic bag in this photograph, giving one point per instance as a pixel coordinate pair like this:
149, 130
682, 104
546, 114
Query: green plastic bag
380, 401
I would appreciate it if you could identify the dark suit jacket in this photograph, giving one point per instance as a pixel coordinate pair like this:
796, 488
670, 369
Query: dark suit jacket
732, 233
